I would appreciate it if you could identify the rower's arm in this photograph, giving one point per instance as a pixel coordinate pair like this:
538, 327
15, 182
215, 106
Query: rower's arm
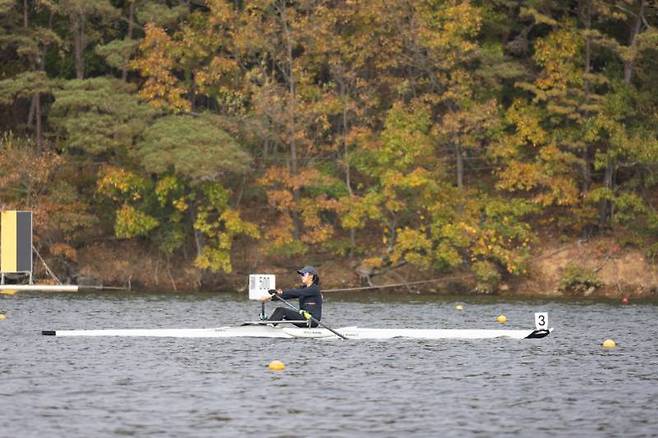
300, 292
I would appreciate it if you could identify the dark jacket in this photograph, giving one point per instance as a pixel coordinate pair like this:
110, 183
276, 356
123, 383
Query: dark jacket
310, 299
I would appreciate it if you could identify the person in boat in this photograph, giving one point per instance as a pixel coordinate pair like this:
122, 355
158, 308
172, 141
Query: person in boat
309, 295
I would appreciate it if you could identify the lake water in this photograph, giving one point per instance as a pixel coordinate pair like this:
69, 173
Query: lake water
562, 385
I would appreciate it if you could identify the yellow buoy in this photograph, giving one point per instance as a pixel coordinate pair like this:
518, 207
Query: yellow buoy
609, 343
2, 316
276, 365
8, 292
459, 307
501, 319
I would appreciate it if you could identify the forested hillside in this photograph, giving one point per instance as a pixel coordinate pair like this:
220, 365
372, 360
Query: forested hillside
443, 135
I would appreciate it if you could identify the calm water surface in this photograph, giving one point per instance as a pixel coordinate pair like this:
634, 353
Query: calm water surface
563, 385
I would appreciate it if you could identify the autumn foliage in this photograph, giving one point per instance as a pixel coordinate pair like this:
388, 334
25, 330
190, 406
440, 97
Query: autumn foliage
443, 134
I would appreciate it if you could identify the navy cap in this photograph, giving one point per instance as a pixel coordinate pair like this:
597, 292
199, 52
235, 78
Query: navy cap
307, 269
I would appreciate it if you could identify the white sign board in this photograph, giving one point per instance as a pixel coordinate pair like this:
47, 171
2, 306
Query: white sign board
541, 320
259, 284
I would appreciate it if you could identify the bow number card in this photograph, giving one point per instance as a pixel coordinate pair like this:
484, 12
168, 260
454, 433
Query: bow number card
259, 284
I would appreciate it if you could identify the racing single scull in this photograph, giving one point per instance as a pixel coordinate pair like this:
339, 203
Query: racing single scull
261, 330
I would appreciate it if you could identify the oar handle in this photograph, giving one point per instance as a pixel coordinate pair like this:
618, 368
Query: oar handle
307, 315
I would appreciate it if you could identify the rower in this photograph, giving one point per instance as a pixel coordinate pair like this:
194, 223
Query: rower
309, 295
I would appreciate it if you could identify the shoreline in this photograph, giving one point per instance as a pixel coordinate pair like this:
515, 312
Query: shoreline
604, 271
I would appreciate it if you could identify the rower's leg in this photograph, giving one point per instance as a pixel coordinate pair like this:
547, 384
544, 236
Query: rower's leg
278, 314
283, 313
290, 315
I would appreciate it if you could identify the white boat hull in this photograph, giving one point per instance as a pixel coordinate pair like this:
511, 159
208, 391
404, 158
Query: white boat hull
263, 331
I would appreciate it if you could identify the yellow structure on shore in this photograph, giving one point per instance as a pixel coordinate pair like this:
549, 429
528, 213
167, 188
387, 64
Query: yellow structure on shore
15, 244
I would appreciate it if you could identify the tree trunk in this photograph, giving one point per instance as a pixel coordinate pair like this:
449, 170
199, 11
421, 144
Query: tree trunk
25, 14
38, 119
78, 41
348, 174
346, 152
131, 17
605, 210
199, 240
587, 171
459, 155
190, 77
30, 113
587, 156
632, 40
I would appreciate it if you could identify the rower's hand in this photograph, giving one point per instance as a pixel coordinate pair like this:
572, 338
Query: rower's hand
273, 294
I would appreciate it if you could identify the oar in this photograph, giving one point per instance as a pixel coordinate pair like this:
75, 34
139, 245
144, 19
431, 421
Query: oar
307, 315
